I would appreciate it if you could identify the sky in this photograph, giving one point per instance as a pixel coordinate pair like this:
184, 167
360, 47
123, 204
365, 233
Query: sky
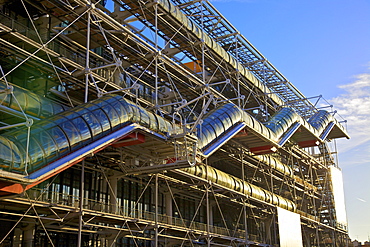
323, 48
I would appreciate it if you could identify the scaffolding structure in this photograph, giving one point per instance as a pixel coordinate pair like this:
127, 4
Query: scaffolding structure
156, 123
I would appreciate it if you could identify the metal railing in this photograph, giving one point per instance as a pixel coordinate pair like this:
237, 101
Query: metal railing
62, 199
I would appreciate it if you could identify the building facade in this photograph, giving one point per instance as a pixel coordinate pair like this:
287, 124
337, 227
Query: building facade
156, 123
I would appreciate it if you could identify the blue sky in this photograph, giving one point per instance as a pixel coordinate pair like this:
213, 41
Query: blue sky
323, 48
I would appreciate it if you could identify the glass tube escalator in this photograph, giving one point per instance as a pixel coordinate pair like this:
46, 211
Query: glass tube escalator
62, 134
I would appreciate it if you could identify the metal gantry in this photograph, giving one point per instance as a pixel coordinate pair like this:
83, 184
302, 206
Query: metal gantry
154, 123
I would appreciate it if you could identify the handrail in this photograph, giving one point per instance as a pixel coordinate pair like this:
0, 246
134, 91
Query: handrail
64, 199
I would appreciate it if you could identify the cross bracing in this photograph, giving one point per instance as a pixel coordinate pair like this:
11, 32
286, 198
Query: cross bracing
144, 125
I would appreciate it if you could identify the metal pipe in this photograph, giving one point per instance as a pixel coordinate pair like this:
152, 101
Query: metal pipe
80, 222
237, 184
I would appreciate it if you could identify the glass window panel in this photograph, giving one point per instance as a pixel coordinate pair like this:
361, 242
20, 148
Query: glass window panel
71, 114
71, 132
18, 161
227, 119
112, 115
60, 138
46, 107
162, 126
135, 113
57, 109
218, 126
93, 123
153, 121
144, 117
33, 105
82, 127
209, 133
21, 98
170, 127
83, 110
123, 111
6, 156
45, 124
103, 119
35, 153
47, 143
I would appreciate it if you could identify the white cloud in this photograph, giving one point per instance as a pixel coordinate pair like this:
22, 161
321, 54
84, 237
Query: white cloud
354, 106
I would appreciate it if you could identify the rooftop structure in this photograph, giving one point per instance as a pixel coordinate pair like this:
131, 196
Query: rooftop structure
156, 123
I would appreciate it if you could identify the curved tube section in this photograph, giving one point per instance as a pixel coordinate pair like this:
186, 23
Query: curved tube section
32, 104
237, 184
217, 122
65, 133
222, 119
275, 164
281, 121
286, 118
322, 119
192, 27
71, 130
218, 126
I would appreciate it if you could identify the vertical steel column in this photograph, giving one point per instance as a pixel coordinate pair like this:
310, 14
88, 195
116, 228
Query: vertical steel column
314, 205
87, 64
156, 56
156, 211
244, 199
80, 223
208, 208
238, 76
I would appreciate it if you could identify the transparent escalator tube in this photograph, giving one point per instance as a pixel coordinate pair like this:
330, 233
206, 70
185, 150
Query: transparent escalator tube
280, 122
20, 99
216, 122
320, 120
61, 134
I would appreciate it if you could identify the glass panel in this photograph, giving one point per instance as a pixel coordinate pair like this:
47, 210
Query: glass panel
60, 138
82, 127
33, 105
36, 155
71, 132
71, 114
5, 154
123, 111
225, 120
57, 108
45, 124
153, 121
218, 126
209, 134
47, 143
93, 123
136, 116
18, 161
144, 117
21, 98
112, 115
83, 110
46, 107
103, 119
170, 128
162, 127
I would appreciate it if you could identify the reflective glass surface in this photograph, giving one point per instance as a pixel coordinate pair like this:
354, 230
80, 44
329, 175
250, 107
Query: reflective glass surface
54, 137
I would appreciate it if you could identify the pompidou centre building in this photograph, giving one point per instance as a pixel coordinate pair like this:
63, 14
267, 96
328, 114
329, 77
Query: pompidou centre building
156, 123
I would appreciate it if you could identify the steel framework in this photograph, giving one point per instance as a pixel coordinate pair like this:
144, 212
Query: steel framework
155, 123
